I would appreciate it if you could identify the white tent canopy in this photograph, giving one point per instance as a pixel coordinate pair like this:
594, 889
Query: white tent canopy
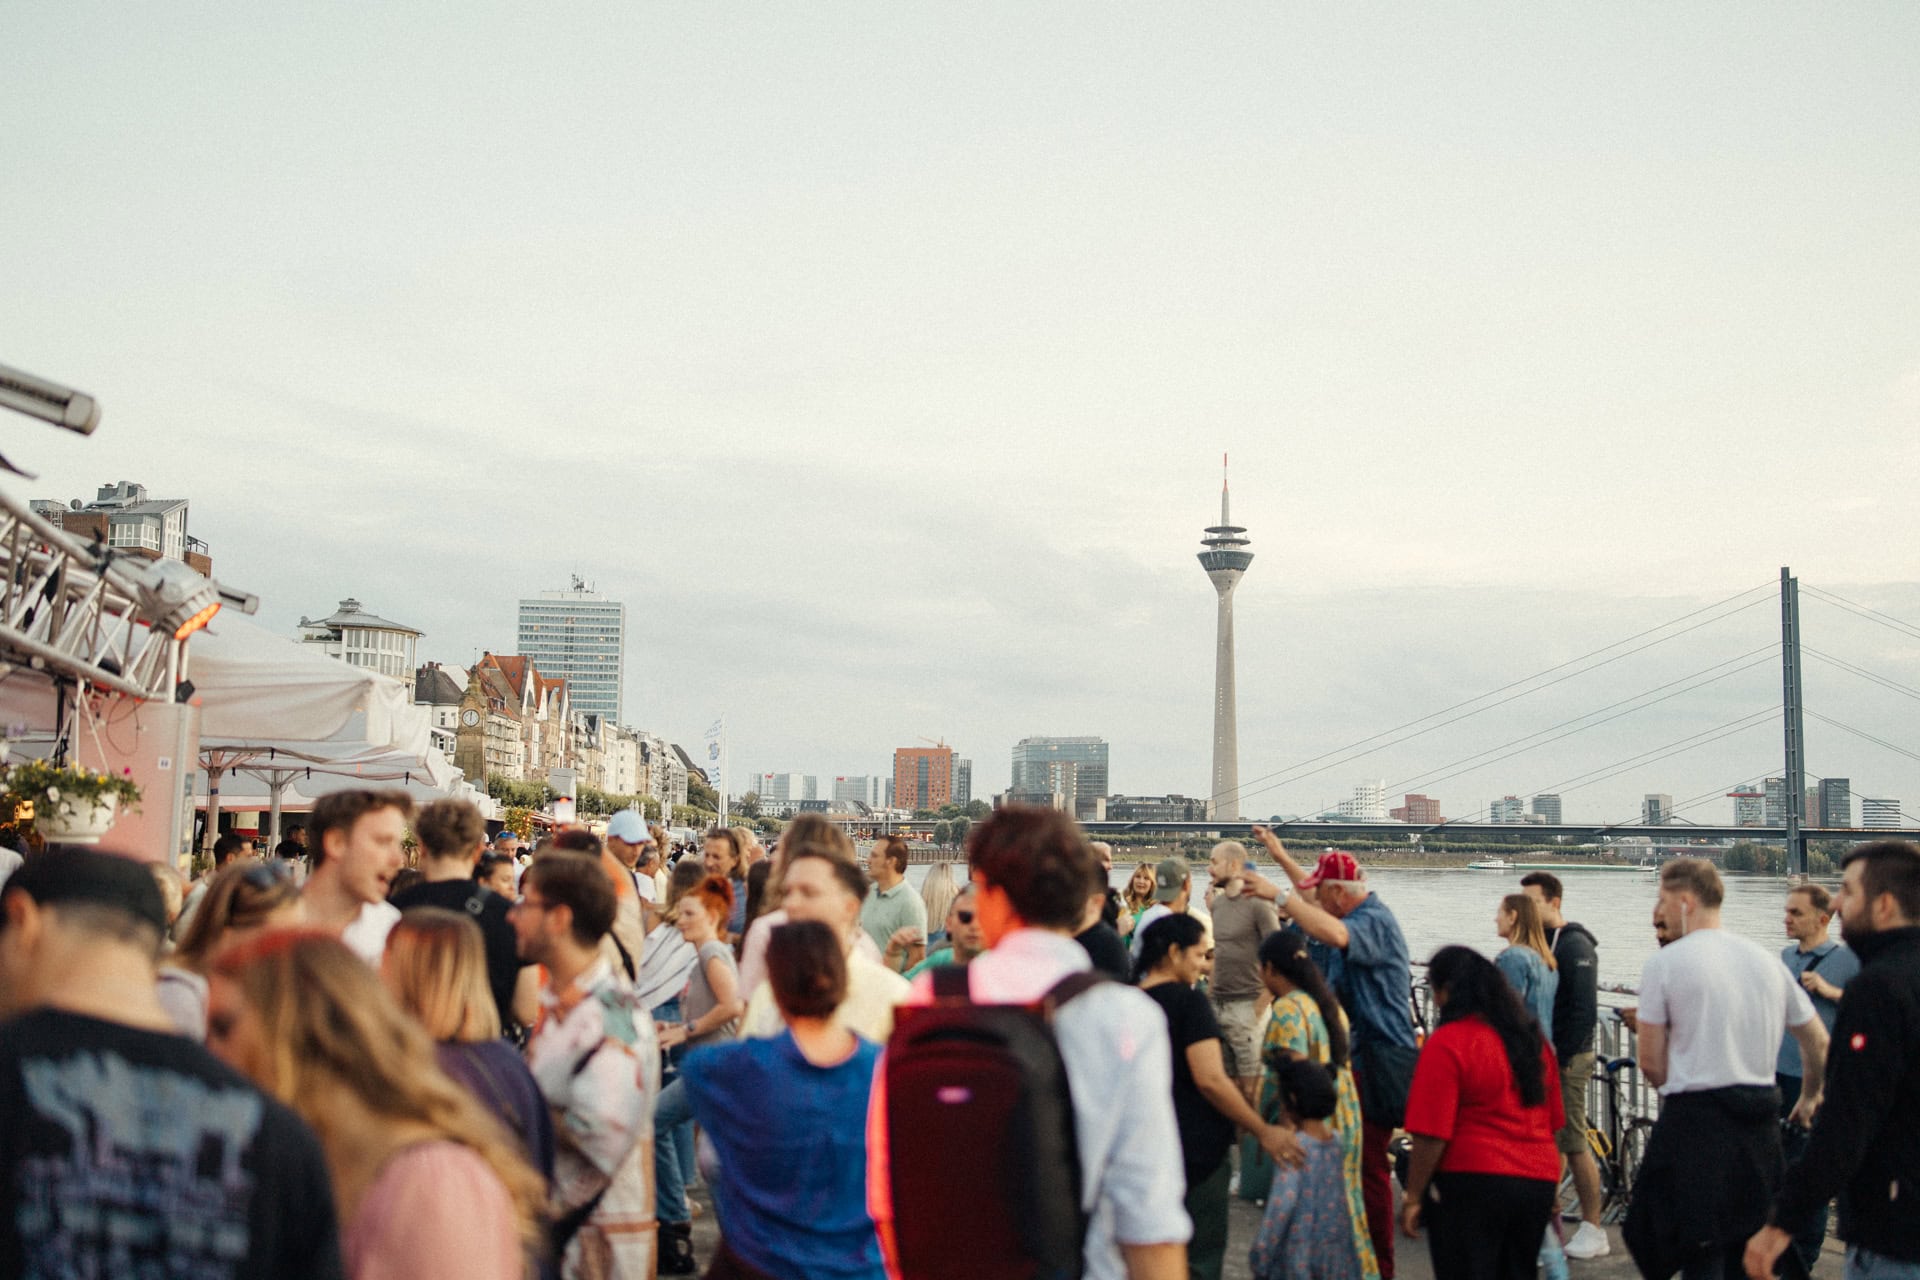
276, 714
252, 684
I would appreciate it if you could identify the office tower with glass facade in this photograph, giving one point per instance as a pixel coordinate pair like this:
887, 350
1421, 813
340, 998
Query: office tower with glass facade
581, 636
1034, 761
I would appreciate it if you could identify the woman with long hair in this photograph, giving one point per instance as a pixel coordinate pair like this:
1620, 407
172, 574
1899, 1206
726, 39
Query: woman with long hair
241, 900
787, 1117
710, 1010
1483, 1111
1527, 962
1207, 1103
1139, 894
1306, 1021
937, 892
428, 1184
436, 967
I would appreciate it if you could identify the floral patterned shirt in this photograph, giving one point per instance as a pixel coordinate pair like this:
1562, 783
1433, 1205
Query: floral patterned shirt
595, 1059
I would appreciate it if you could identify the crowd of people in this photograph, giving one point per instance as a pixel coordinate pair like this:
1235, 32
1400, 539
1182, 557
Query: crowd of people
490, 1060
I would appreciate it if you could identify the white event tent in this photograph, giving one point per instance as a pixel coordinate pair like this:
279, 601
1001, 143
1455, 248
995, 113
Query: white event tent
283, 724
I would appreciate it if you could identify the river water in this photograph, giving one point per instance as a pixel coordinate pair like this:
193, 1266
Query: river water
1436, 907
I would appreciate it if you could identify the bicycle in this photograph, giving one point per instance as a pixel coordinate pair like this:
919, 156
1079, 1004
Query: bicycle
1618, 1149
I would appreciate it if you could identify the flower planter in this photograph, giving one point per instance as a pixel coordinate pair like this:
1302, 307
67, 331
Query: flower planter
75, 821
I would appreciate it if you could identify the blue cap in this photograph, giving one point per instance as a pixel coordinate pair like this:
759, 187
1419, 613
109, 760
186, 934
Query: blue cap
627, 825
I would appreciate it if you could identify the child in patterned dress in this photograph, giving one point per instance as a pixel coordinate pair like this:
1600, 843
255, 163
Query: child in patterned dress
1305, 1233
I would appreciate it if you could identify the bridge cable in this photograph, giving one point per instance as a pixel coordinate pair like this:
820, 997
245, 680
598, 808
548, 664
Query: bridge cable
1884, 682
1294, 772
1679, 746
1886, 620
1427, 780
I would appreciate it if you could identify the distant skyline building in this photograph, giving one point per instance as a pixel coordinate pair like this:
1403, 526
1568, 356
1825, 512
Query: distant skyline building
1367, 804
1836, 802
867, 789
1225, 560
1035, 758
1423, 810
582, 637
793, 787
926, 777
1656, 810
1879, 815
1156, 809
1546, 807
1774, 807
1749, 806
1507, 809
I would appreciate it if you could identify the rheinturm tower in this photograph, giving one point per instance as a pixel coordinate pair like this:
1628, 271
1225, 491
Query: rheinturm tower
1225, 560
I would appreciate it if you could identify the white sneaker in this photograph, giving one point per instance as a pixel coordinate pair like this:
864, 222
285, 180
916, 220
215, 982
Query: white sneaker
1588, 1241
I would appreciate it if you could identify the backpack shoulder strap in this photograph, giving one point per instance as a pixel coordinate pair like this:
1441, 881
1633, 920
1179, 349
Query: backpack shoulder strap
950, 982
1071, 987
626, 960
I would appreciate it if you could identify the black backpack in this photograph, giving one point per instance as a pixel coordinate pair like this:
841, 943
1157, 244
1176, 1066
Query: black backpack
980, 1137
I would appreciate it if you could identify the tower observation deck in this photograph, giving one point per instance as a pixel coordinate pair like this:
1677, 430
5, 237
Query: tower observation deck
1225, 560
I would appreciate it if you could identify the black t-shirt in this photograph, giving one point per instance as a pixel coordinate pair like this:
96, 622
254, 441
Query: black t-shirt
126, 1152
1205, 1134
488, 910
1108, 952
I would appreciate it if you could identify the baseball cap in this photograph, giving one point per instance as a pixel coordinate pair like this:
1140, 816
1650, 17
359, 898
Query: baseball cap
1169, 874
627, 825
87, 875
1334, 864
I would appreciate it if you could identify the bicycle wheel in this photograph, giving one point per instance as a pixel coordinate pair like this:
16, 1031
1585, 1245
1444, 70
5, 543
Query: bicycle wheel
1619, 1174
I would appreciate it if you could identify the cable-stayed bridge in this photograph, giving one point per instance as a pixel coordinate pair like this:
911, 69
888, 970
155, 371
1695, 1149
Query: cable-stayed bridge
1790, 824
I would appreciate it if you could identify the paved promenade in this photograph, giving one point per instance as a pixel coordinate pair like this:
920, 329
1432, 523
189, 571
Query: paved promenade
1412, 1254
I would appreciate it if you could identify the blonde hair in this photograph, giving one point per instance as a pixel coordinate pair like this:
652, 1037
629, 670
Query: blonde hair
1136, 902
938, 891
241, 895
328, 1027
436, 967
1528, 931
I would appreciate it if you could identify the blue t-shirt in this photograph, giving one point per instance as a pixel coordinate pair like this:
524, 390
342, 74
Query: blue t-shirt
1372, 975
1527, 973
792, 1143
1835, 963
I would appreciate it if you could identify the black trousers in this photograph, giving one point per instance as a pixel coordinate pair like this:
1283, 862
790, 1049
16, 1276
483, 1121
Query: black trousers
1483, 1226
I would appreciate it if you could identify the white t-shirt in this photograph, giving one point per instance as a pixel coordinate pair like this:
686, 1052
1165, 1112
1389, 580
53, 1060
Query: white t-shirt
367, 934
1725, 1003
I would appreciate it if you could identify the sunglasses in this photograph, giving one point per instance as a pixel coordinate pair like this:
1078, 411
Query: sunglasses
966, 917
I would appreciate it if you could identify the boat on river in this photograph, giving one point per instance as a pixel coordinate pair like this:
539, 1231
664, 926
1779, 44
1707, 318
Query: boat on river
1490, 864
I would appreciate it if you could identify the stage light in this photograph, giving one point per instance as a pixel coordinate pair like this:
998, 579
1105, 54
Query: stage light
176, 598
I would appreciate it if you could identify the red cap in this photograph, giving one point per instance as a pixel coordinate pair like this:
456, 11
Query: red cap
1333, 865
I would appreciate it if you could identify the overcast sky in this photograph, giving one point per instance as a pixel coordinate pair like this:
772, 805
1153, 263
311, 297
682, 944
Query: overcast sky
881, 357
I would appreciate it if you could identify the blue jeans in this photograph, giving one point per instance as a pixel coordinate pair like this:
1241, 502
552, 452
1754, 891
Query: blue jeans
1865, 1264
673, 1168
